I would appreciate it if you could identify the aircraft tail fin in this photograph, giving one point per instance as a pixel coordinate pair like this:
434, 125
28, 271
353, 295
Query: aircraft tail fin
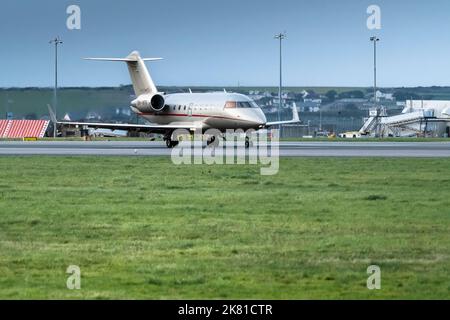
140, 77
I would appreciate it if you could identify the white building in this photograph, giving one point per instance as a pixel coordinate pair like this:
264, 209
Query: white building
419, 117
385, 96
318, 101
441, 108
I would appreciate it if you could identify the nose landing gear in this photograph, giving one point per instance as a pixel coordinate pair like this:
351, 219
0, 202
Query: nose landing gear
169, 142
247, 142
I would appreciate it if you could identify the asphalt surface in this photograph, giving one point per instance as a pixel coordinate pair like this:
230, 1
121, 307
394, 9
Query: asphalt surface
292, 149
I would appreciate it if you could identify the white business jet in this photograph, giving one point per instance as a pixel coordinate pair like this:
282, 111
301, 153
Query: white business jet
191, 111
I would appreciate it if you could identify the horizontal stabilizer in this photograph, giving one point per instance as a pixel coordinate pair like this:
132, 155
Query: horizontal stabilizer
122, 59
140, 77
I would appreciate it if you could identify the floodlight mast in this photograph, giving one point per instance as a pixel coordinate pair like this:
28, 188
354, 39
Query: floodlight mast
280, 37
375, 39
57, 41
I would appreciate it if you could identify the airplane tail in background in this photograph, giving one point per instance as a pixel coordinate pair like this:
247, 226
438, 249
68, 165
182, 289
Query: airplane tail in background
140, 77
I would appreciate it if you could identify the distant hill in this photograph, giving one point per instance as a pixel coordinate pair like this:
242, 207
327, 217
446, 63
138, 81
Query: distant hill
33, 101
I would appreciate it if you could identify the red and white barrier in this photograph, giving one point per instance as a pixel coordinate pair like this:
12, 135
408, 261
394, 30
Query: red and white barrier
23, 128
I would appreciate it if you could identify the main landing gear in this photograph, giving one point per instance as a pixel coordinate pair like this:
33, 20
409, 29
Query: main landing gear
169, 142
213, 141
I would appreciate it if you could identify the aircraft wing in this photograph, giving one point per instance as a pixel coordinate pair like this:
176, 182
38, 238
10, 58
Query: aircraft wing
295, 118
149, 128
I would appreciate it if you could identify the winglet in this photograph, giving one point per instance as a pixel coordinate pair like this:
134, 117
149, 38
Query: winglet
295, 113
295, 118
52, 114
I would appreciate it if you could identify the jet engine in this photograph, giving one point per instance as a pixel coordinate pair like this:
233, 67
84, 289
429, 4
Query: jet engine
149, 103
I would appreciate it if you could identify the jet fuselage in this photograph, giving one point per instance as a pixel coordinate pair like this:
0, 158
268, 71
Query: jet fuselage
219, 110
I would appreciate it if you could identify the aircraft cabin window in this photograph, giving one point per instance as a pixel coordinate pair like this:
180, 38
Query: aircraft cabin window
243, 105
230, 105
253, 104
247, 104
179, 107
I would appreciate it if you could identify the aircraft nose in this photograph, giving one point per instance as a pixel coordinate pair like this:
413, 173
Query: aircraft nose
260, 116
256, 116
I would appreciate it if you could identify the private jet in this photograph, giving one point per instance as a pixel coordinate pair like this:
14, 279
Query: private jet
195, 112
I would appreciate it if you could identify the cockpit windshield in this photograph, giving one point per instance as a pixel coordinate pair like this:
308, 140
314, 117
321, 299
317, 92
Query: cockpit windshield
241, 104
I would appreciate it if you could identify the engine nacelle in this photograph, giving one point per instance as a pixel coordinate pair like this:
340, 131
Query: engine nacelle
149, 103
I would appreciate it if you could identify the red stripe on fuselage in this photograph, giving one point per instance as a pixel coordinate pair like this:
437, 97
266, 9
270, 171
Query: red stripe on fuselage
186, 115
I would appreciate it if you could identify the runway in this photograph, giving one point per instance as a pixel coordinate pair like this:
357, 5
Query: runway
286, 149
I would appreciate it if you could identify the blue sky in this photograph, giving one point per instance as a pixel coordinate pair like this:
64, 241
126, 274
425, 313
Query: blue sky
221, 43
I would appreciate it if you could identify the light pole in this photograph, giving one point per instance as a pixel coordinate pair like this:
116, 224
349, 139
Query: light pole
57, 41
374, 40
320, 121
280, 37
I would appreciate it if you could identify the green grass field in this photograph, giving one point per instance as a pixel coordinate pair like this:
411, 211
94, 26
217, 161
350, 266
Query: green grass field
142, 228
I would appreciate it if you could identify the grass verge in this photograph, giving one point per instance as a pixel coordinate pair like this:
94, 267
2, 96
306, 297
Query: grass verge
142, 228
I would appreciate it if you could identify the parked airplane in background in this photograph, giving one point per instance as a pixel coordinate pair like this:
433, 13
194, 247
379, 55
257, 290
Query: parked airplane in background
191, 111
